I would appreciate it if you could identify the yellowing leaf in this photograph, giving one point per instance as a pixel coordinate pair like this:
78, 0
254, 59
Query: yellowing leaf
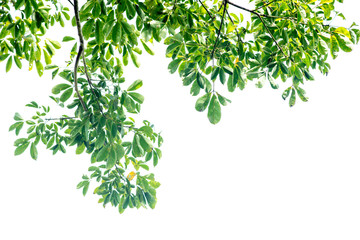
326, 1
343, 31
131, 176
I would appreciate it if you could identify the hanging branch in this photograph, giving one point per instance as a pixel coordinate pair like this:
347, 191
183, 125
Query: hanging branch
262, 21
80, 51
219, 31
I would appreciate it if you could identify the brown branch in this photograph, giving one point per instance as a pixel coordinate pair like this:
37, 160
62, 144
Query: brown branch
80, 52
262, 21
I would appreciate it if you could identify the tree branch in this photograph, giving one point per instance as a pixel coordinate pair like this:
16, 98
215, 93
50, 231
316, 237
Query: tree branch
61, 118
208, 12
219, 32
80, 52
71, 3
267, 4
262, 21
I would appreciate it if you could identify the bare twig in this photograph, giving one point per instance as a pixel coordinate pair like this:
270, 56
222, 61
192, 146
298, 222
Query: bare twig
80, 51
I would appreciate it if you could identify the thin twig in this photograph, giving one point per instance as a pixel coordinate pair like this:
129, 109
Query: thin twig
71, 3
265, 5
91, 85
237, 32
61, 118
219, 32
208, 12
259, 16
80, 51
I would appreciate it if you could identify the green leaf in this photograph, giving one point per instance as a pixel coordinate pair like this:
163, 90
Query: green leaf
17, 117
47, 57
99, 34
135, 85
286, 93
20, 149
102, 154
174, 65
120, 151
87, 28
223, 100
110, 163
80, 149
8, 64
150, 199
116, 33
344, 44
222, 76
58, 88
68, 39
145, 143
155, 159
214, 111
283, 68
343, 31
3, 57
137, 150
147, 48
308, 75
85, 188
100, 140
301, 92
215, 73
137, 97
292, 98
39, 68
66, 95
203, 102
134, 59
33, 151
56, 44
18, 62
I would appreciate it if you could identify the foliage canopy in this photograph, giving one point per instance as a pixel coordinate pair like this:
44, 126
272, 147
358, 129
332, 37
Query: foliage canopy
209, 43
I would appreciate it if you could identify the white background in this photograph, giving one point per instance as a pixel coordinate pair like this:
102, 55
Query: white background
266, 171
